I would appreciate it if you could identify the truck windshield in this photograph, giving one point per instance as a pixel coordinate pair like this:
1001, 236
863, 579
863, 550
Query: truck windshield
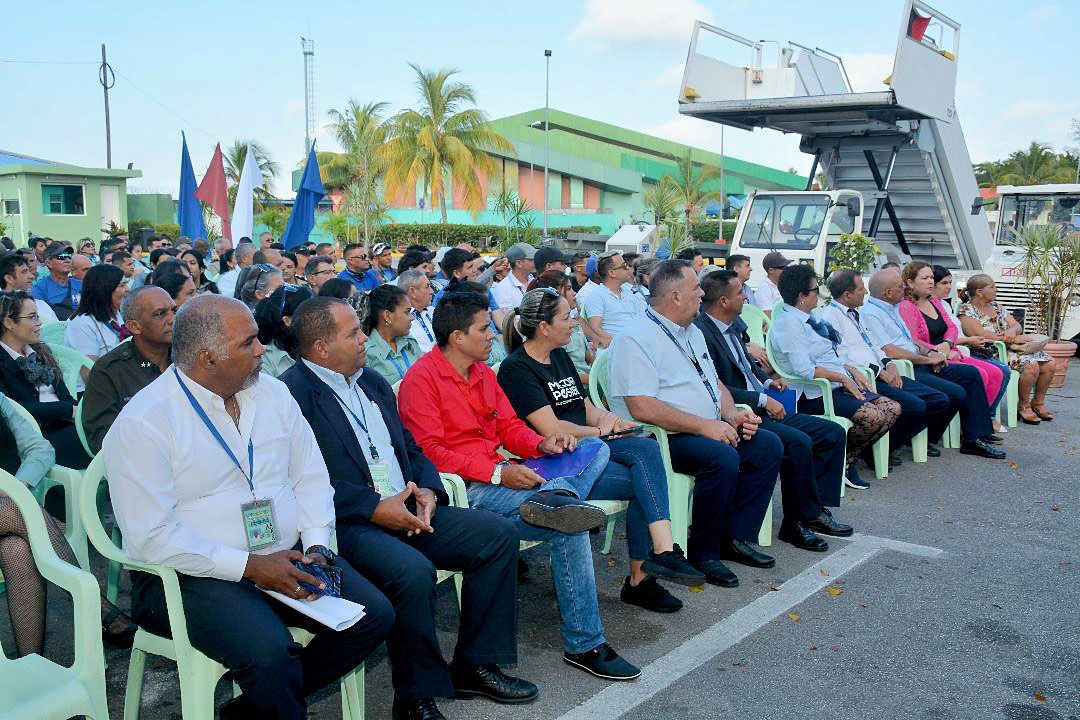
1019, 211
790, 222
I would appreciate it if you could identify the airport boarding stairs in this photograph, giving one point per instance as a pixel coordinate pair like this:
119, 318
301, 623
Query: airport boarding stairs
901, 147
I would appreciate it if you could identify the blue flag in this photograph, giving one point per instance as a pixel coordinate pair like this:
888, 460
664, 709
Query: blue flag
308, 195
189, 212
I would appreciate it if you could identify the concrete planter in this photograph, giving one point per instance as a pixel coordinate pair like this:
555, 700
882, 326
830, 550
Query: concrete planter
1061, 351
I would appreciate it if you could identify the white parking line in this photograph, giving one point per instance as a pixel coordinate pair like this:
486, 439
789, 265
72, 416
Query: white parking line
619, 698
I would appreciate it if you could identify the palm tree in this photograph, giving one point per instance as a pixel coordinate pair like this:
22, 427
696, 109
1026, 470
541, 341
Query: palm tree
440, 141
1036, 165
661, 200
689, 187
362, 132
334, 169
235, 155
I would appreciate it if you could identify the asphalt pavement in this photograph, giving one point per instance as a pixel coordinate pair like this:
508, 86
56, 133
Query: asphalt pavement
957, 598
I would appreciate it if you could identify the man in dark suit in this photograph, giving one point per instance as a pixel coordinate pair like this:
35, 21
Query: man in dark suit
394, 526
813, 464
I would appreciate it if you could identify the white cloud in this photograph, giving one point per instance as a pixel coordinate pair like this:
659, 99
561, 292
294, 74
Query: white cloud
292, 107
764, 147
614, 23
867, 71
669, 78
993, 136
1042, 13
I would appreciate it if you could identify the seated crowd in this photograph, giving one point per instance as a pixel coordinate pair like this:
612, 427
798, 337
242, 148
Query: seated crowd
245, 385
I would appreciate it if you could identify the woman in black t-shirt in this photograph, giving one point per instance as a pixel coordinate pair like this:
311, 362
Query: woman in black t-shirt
542, 384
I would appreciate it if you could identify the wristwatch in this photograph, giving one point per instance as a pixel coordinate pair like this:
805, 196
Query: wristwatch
326, 552
496, 475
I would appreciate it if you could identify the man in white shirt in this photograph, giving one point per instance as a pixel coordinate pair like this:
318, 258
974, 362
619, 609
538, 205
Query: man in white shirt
394, 523
767, 294
201, 463
613, 306
509, 291
243, 255
921, 405
419, 291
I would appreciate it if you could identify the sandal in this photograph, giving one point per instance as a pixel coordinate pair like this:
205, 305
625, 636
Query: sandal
1042, 412
122, 637
1029, 416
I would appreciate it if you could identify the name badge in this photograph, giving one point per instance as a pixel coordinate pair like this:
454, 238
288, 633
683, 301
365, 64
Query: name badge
380, 477
260, 525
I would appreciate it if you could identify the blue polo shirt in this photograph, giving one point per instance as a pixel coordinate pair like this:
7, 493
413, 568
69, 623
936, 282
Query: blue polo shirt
54, 293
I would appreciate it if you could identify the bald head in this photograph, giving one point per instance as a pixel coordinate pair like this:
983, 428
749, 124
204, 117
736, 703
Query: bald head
886, 285
79, 265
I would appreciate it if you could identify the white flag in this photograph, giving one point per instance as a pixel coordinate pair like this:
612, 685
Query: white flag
243, 215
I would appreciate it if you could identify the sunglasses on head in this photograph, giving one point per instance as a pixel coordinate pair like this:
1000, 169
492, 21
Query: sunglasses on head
286, 289
61, 256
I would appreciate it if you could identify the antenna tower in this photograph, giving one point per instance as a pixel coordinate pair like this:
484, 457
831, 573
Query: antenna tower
308, 46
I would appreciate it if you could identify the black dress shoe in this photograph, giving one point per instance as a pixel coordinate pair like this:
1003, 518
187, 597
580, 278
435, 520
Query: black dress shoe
992, 439
802, 537
492, 683
672, 566
895, 460
424, 709
745, 553
982, 449
603, 662
561, 510
933, 450
650, 595
717, 573
826, 524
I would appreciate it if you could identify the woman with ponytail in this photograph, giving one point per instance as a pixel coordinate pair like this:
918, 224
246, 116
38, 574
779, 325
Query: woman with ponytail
545, 390
391, 351
273, 316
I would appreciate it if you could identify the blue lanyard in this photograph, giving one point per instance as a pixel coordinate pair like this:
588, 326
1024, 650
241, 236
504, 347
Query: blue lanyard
423, 325
361, 421
250, 476
858, 325
405, 357
689, 356
894, 315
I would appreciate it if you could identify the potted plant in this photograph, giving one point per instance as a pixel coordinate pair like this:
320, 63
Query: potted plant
1051, 267
854, 251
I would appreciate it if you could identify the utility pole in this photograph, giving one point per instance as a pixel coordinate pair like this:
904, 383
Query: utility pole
723, 195
107, 78
547, 138
308, 47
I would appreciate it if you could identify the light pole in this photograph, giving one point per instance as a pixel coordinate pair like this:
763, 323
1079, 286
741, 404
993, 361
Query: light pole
547, 141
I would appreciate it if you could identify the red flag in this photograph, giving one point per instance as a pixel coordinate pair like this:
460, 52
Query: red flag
213, 191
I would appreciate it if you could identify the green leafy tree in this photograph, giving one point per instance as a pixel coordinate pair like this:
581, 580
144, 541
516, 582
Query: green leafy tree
689, 184
516, 213
337, 226
274, 217
661, 200
362, 132
234, 156
442, 140
1037, 164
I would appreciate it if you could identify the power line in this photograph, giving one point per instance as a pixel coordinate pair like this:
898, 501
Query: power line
50, 62
163, 106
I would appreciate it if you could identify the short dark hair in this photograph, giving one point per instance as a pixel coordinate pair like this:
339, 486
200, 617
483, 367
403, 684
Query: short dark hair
155, 255
119, 256
165, 267
384, 297
665, 275
322, 247
603, 265
336, 288
351, 246
413, 258
456, 311
313, 320
8, 263
688, 254
733, 260
97, 288
717, 284
794, 281
454, 259
940, 273
891, 264
171, 282
316, 260
842, 281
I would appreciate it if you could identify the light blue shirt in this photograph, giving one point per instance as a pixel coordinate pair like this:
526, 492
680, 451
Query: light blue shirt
883, 323
739, 356
616, 311
357, 402
36, 454
644, 361
798, 350
749, 293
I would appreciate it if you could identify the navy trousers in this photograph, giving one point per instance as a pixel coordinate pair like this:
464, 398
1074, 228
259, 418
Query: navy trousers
921, 407
812, 468
732, 487
967, 395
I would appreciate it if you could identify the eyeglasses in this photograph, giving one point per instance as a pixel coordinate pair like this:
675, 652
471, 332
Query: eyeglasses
320, 272
61, 256
359, 256
33, 316
816, 288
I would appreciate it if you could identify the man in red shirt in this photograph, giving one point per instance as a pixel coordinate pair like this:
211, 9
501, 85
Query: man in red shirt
452, 404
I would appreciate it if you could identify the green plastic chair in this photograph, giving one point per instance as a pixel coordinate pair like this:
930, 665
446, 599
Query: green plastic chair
826, 397
880, 449
1012, 394
755, 320
71, 361
199, 674
54, 332
920, 441
60, 476
80, 430
32, 686
680, 485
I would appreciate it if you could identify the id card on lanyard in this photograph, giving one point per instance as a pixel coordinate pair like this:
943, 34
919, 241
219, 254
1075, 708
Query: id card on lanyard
260, 522
689, 355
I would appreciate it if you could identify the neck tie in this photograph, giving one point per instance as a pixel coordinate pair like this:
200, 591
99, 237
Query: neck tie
735, 336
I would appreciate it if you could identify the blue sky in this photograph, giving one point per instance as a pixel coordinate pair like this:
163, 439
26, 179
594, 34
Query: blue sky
228, 70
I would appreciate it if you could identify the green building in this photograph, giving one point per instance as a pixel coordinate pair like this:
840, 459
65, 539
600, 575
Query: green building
598, 173
64, 202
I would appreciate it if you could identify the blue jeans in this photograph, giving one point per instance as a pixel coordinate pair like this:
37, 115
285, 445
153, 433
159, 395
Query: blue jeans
571, 555
636, 473
1006, 370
